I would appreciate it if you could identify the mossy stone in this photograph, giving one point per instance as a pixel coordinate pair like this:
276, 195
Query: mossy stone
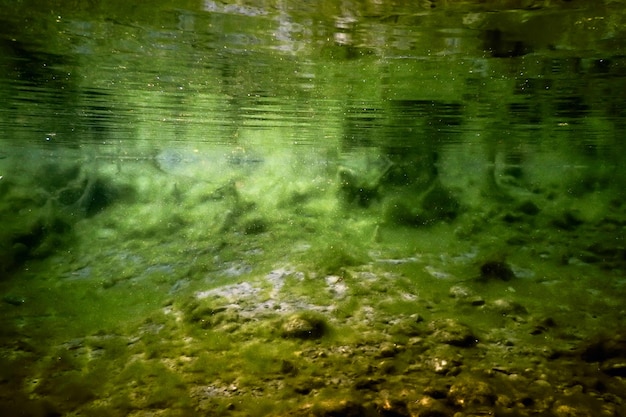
304, 325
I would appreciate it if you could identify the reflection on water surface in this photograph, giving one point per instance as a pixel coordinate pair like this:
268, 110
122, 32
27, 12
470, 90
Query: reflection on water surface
354, 208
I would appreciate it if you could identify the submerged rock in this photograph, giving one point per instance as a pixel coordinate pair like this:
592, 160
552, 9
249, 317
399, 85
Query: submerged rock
615, 367
469, 393
431, 407
357, 191
336, 408
508, 307
304, 325
13, 300
570, 221
605, 348
499, 270
451, 332
434, 205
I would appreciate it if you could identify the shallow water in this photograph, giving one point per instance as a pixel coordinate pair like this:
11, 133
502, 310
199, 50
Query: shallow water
275, 208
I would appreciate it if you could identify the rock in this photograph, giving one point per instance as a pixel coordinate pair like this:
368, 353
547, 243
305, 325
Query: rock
569, 221
13, 300
436, 204
453, 333
355, 190
393, 408
466, 296
370, 384
566, 411
506, 307
304, 325
460, 292
604, 348
305, 386
476, 301
254, 226
436, 392
492, 270
387, 367
287, 367
439, 204
406, 328
430, 407
529, 208
540, 385
543, 325
444, 366
388, 350
614, 367
471, 393
339, 408
444, 360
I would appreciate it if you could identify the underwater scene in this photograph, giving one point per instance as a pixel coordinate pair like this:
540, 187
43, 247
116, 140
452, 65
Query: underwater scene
313, 208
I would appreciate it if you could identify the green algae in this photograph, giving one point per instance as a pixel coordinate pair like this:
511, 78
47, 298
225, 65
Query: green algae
332, 258
366, 266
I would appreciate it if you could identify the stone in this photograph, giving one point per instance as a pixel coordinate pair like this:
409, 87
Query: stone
288, 367
393, 408
356, 191
566, 410
451, 332
469, 393
444, 360
460, 292
254, 226
336, 408
439, 204
477, 301
496, 270
506, 307
435, 205
604, 348
430, 407
529, 208
304, 325
570, 221
614, 367
370, 384
388, 350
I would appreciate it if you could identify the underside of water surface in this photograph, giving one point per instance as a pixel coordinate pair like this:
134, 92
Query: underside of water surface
365, 208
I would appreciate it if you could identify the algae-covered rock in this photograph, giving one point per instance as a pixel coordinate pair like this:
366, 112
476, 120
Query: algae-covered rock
430, 407
357, 191
496, 270
451, 332
331, 258
344, 408
416, 210
304, 325
469, 393
254, 225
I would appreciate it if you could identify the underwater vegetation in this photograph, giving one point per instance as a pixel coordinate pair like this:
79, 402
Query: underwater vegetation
40, 213
385, 209
417, 303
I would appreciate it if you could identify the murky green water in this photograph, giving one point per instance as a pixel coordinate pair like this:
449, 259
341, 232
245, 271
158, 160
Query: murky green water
327, 209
